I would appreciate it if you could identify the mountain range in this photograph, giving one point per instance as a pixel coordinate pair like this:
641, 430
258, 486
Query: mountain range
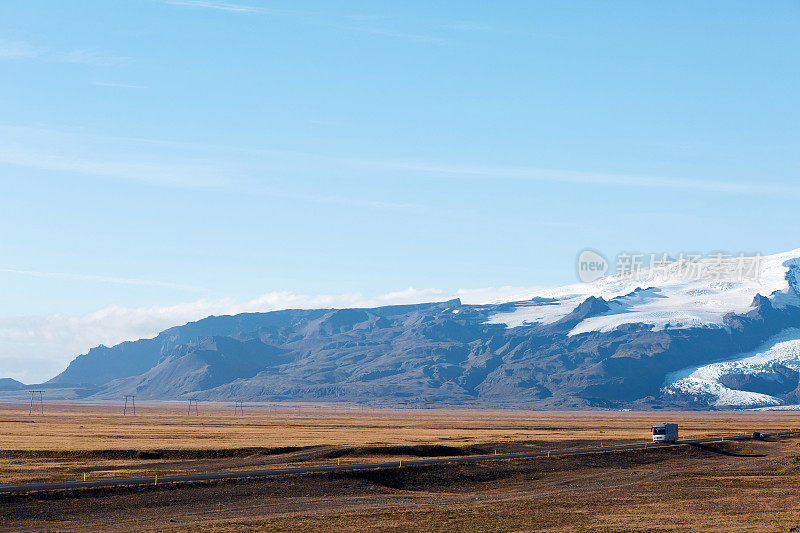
684, 335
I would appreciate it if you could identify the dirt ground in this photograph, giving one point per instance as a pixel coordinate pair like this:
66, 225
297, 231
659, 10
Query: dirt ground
748, 486
723, 487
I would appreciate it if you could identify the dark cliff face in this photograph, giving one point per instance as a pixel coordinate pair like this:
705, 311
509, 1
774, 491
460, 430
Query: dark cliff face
436, 354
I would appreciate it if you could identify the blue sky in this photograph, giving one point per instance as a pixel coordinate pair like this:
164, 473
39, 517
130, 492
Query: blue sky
161, 160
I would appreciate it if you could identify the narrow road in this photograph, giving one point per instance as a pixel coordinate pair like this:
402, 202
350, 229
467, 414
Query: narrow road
214, 476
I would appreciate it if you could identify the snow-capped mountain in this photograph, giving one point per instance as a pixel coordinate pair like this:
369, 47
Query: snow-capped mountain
699, 334
677, 295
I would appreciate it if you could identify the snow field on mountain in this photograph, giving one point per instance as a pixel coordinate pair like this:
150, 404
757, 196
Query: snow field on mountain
666, 299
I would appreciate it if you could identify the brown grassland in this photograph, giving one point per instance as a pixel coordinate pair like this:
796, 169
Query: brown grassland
748, 486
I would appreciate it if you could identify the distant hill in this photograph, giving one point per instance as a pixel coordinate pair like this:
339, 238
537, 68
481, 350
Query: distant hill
612, 343
8, 384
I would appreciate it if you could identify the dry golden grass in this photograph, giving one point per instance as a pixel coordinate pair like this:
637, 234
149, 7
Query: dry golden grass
103, 427
734, 487
71, 441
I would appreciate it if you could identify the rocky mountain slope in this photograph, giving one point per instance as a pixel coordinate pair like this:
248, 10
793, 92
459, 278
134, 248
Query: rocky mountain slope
8, 384
617, 342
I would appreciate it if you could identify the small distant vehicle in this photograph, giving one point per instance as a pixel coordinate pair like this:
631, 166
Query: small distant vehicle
665, 432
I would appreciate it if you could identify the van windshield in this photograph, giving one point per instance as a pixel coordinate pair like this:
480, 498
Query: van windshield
659, 431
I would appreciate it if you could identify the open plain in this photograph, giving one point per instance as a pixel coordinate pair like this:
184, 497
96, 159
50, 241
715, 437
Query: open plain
723, 486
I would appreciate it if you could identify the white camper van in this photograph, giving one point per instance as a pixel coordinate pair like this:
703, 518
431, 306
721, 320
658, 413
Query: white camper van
665, 432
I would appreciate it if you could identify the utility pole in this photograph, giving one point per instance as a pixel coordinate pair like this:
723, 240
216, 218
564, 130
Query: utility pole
193, 401
133, 404
41, 401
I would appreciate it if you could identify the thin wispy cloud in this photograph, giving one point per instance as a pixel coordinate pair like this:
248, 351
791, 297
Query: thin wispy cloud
401, 35
164, 173
87, 57
220, 167
172, 164
469, 25
110, 158
120, 85
342, 200
17, 50
80, 56
314, 18
600, 178
100, 279
221, 6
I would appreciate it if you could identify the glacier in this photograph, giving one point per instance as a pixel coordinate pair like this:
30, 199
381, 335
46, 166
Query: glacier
782, 349
661, 299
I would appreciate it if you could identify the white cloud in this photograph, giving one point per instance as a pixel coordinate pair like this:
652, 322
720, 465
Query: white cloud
86, 57
415, 37
121, 85
101, 279
35, 348
173, 164
17, 50
343, 200
314, 18
83, 56
108, 157
599, 178
255, 170
222, 6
